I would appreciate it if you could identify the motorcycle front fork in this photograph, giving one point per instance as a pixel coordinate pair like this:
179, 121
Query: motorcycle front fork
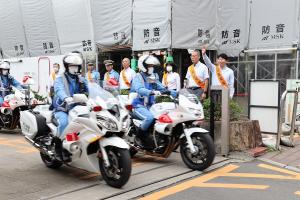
189, 141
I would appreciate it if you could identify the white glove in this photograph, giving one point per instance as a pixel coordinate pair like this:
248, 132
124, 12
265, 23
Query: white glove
156, 93
69, 100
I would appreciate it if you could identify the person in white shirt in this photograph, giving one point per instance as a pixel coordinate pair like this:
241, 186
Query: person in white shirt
197, 76
171, 79
52, 78
221, 74
126, 75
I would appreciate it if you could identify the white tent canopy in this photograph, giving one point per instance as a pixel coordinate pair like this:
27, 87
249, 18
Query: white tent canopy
43, 27
151, 24
194, 23
112, 22
12, 35
40, 27
274, 24
74, 25
232, 26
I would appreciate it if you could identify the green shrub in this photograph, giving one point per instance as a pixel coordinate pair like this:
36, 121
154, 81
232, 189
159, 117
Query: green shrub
234, 108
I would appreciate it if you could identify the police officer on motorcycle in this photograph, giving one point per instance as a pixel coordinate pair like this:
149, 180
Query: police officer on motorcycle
7, 81
147, 86
66, 86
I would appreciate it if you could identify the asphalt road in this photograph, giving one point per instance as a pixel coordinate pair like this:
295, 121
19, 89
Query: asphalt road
24, 176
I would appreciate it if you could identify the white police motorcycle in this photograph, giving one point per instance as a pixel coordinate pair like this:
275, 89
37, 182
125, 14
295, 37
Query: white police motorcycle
177, 124
92, 140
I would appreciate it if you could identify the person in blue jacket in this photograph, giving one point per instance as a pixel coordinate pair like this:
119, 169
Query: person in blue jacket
65, 86
7, 81
147, 86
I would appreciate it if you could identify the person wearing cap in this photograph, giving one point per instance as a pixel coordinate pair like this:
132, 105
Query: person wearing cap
92, 75
197, 76
7, 81
171, 79
111, 73
52, 79
126, 76
221, 73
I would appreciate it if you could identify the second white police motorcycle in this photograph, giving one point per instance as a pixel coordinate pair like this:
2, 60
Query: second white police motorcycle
177, 124
92, 139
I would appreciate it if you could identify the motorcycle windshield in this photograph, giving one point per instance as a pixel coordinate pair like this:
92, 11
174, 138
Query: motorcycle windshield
192, 97
96, 91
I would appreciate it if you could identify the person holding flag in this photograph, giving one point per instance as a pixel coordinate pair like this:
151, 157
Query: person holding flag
221, 74
111, 74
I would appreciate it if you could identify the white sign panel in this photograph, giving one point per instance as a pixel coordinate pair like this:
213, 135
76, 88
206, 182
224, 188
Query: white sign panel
274, 24
12, 35
112, 22
40, 27
264, 104
151, 24
74, 25
194, 23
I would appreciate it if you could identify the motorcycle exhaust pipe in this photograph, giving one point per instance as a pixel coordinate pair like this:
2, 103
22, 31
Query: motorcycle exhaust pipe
39, 147
165, 129
5, 111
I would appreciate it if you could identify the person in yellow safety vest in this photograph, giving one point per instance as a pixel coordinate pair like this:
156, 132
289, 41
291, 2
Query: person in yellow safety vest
126, 76
197, 76
52, 78
171, 79
92, 75
221, 73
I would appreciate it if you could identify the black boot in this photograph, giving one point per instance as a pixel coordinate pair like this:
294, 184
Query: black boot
144, 140
61, 153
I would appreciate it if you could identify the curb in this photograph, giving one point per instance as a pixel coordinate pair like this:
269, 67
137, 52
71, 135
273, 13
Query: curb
279, 164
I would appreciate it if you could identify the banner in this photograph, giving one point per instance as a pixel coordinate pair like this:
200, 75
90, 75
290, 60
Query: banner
151, 24
232, 26
74, 25
40, 28
194, 24
274, 24
12, 34
112, 22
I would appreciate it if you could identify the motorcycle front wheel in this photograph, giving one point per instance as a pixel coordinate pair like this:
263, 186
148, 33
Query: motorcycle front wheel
205, 154
119, 171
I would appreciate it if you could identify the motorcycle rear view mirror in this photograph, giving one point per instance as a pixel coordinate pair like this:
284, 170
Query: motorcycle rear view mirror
27, 80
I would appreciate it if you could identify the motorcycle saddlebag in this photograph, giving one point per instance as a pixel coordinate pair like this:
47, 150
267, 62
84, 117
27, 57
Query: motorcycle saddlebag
33, 124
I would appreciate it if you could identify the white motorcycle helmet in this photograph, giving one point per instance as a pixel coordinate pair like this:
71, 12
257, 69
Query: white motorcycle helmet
146, 63
4, 68
73, 63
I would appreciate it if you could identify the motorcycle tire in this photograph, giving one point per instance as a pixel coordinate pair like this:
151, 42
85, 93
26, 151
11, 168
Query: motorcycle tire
206, 151
49, 162
119, 171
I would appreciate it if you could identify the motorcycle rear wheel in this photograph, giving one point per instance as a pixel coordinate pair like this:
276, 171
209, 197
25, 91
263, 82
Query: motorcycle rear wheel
205, 155
50, 162
119, 171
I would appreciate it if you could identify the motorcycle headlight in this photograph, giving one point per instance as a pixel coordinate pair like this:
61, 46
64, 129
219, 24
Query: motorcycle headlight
107, 123
196, 112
